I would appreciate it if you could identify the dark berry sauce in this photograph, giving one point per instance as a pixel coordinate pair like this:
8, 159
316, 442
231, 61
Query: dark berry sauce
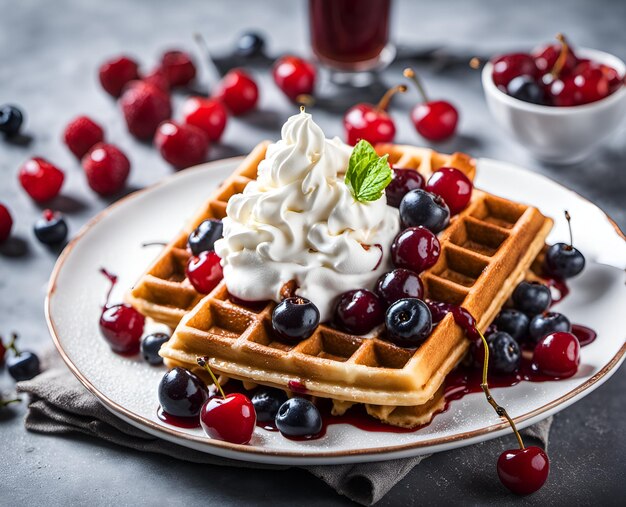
179, 422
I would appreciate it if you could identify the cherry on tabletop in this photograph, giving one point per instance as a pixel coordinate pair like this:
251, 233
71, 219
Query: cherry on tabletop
371, 122
145, 106
435, 120
415, 248
81, 134
203, 237
209, 115
398, 284
181, 393
408, 322
178, 68
158, 78
122, 327
294, 76
359, 311
402, 182
204, 271
557, 354
523, 471
298, 417
106, 168
452, 186
11, 119
266, 403
6, 223
150, 346
509, 66
181, 145
41, 179
421, 208
294, 319
116, 73
238, 91
50, 228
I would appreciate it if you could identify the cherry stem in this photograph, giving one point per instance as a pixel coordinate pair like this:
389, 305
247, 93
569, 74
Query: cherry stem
562, 59
569, 225
384, 102
204, 363
153, 243
113, 280
304, 99
208, 59
501, 411
410, 73
12, 346
4, 403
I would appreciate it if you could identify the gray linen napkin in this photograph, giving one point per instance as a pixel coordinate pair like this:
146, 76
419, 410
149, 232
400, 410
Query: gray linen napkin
59, 404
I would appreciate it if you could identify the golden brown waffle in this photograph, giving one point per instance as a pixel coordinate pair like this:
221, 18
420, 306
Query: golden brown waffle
486, 251
164, 294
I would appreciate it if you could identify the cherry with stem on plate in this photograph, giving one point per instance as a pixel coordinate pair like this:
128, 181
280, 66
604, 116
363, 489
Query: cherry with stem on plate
371, 122
523, 470
226, 417
435, 120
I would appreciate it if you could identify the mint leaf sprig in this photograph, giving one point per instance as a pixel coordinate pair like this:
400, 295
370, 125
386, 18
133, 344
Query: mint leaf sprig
368, 174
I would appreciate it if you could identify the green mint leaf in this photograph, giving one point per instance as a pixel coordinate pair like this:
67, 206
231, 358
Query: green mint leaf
367, 174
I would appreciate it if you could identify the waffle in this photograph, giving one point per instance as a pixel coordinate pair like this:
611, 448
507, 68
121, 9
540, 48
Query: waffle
164, 294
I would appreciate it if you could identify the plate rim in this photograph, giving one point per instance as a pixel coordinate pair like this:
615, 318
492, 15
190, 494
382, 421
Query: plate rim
240, 451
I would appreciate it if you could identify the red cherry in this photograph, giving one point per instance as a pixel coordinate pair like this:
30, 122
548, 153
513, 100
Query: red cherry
557, 354
294, 76
116, 73
506, 67
564, 92
204, 271
359, 311
452, 186
523, 471
207, 114
6, 223
3, 350
81, 134
181, 145
144, 107
238, 91
106, 168
41, 180
231, 418
122, 327
370, 122
158, 78
547, 56
178, 68
436, 120
416, 249
592, 84
402, 182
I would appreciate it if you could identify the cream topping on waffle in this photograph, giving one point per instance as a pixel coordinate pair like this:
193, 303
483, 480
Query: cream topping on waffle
299, 221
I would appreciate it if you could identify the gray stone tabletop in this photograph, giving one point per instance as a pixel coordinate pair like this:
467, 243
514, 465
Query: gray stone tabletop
49, 53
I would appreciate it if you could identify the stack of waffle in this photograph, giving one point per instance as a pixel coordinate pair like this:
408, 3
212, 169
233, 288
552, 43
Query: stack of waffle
485, 251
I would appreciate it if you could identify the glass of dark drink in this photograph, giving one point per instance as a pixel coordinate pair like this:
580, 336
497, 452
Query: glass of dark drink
351, 37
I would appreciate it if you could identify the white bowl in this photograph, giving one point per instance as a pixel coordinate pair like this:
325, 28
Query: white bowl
561, 135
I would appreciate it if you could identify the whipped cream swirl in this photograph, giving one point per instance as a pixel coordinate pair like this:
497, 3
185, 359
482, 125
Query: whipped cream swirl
299, 221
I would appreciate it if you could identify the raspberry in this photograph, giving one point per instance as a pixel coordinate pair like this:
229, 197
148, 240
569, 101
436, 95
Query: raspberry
6, 223
210, 115
178, 68
106, 168
81, 134
144, 107
116, 73
41, 180
181, 145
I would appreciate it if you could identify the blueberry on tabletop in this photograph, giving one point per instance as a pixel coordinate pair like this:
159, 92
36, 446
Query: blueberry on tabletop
11, 119
250, 44
51, 228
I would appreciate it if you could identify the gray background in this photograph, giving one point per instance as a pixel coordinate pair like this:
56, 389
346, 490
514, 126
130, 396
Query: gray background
49, 52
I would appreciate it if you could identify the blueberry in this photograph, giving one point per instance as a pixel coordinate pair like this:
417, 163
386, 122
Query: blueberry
23, 366
409, 322
150, 346
513, 322
295, 319
298, 417
419, 207
266, 403
504, 352
181, 393
203, 238
564, 261
546, 323
11, 119
526, 88
532, 297
250, 44
51, 228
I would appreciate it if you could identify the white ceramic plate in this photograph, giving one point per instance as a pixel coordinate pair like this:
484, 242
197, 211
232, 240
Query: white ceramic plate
128, 386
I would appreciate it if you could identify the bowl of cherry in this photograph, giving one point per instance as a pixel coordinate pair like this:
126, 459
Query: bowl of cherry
559, 102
